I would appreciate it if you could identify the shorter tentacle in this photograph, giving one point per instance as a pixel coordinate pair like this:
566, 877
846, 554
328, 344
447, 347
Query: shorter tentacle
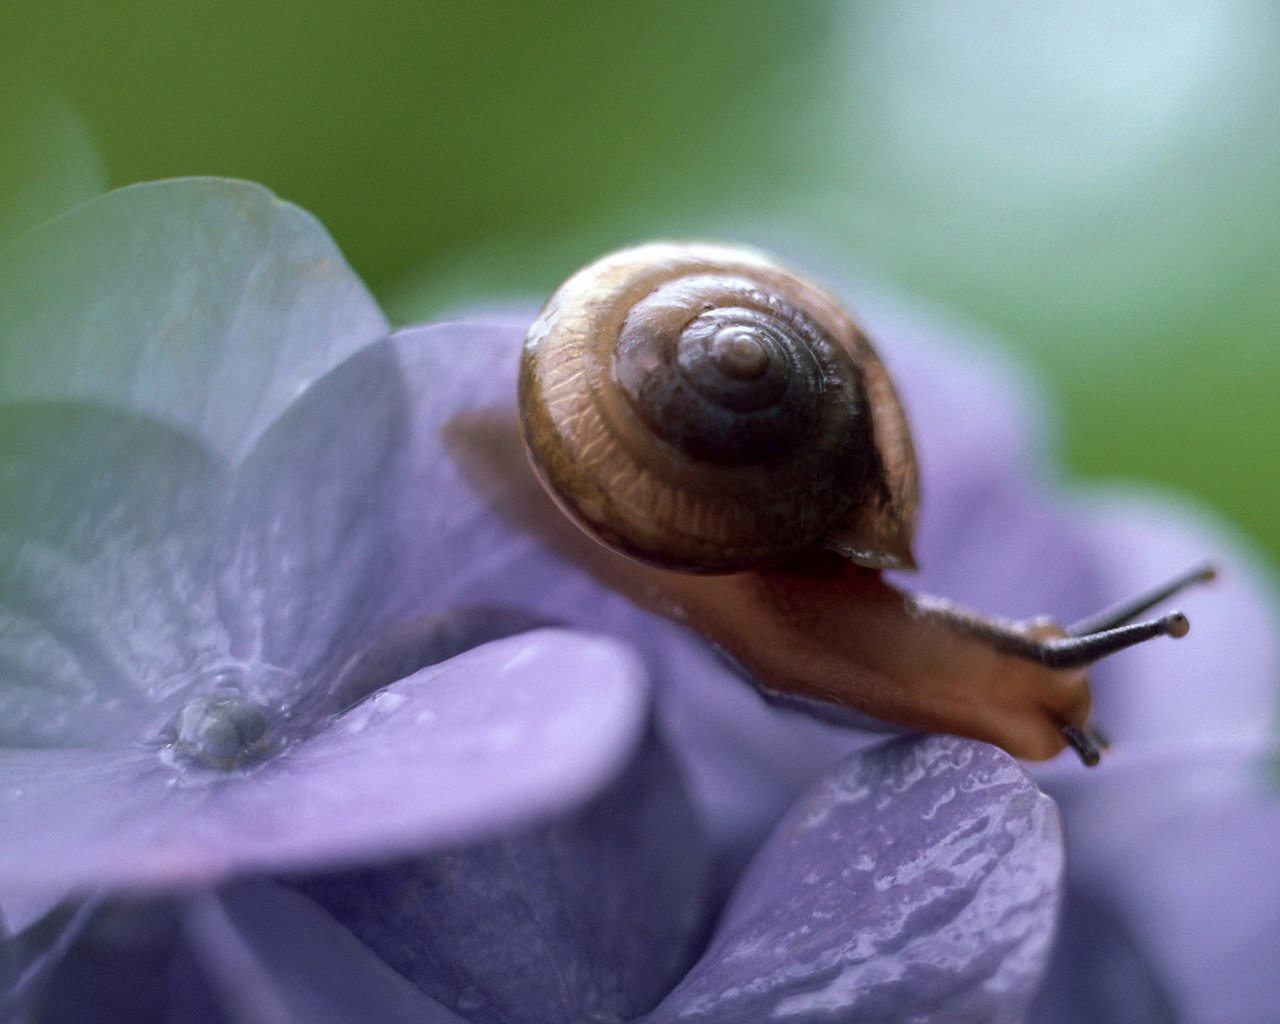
1082, 743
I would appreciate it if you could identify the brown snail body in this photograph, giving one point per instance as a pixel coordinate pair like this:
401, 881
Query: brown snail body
728, 427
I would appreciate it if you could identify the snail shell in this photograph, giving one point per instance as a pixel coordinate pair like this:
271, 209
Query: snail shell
702, 409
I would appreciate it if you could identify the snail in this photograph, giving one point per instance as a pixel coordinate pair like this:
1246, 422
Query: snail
727, 427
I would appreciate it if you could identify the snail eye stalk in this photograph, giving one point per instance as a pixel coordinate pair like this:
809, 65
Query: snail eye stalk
1097, 636
1079, 651
1072, 651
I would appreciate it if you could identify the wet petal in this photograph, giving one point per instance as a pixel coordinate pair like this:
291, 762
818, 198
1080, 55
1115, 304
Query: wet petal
498, 738
592, 917
206, 303
918, 881
268, 955
745, 757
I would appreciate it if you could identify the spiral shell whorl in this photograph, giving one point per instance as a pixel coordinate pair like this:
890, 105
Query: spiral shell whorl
740, 382
701, 409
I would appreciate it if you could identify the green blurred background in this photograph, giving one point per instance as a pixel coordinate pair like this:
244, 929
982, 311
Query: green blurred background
1097, 182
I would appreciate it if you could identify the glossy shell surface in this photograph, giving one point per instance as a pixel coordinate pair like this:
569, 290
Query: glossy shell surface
700, 408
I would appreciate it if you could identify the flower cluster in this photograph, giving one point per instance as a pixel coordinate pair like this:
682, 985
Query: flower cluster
295, 727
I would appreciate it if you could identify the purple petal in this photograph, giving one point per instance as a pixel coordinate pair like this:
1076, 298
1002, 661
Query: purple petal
746, 758
991, 535
268, 955
919, 881
1220, 681
993, 538
206, 303
508, 734
1180, 850
593, 916
1100, 972
115, 968
29, 960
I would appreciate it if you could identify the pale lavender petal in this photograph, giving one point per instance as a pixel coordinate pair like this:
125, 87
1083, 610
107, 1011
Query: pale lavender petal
919, 881
592, 917
135, 569
317, 553
268, 955
1180, 848
503, 736
145, 338
469, 554
206, 303
107, 523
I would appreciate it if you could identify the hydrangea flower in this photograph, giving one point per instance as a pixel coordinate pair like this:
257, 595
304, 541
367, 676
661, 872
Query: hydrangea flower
294, 726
